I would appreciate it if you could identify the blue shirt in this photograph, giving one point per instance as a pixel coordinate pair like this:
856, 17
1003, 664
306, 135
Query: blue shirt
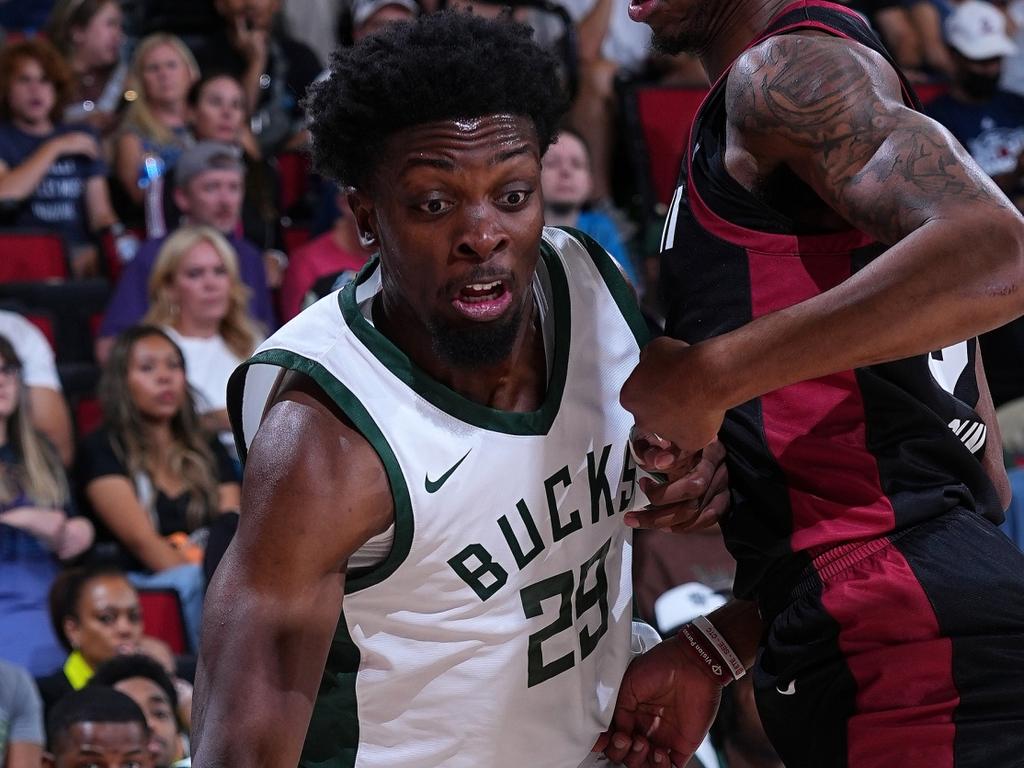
600, 227
992, 132
130, 300
27, 569
58, 203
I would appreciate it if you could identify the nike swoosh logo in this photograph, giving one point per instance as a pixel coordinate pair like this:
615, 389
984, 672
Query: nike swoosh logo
789, 690
433, 486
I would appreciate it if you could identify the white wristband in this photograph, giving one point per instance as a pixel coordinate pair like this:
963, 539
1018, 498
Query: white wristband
728, 654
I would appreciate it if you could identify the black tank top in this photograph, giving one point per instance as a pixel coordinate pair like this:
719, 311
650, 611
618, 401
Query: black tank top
836, 460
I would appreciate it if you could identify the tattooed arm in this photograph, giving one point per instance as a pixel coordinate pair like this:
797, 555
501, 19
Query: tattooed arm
831, 112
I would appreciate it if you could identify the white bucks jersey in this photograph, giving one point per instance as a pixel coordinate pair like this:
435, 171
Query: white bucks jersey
496, 629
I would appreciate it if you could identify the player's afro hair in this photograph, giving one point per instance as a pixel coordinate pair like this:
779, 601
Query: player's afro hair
442, 66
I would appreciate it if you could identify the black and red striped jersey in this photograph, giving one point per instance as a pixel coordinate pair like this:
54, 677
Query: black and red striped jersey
834, 460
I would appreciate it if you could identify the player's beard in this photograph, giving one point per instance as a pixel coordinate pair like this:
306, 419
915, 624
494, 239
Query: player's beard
688, 36
477, 345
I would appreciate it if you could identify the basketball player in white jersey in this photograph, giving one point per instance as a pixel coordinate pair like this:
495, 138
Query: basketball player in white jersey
432, 566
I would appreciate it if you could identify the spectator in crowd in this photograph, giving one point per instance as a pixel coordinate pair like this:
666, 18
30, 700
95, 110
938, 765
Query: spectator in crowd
611, 47
337, 250
197, 297
1013, 65
97, 727
46, 404
154, 130
21, 719
89, 35
151, 477
209, 181
36, 532
217, 112
987, 120
51, 174
95, 613
912, 32
147, 684
567, 183
274, 69
161, 653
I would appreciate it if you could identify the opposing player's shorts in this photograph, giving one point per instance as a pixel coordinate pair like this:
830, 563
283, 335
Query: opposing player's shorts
901, 652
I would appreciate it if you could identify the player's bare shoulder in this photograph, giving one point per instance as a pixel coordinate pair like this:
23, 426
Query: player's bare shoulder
812, 89
309, 458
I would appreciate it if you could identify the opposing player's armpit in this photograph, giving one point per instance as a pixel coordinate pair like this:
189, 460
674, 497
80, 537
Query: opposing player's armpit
833, 111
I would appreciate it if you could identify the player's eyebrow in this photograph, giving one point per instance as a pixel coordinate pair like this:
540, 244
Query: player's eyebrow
502, 157
441, 163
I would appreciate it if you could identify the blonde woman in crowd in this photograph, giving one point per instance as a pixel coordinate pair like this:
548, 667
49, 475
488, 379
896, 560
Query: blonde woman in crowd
154, 129
153, 478
36, 531
196, 295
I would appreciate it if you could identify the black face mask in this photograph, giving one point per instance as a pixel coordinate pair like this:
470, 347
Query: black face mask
979, 87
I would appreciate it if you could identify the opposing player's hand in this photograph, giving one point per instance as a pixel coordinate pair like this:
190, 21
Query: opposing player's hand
671, 394
695, 493
665, 707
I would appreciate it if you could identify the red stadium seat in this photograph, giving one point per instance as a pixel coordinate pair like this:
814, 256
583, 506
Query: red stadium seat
88, 415
27, 256
293, 170
162, 617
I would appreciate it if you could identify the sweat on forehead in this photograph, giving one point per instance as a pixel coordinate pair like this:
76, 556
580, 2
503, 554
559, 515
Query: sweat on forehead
441, 67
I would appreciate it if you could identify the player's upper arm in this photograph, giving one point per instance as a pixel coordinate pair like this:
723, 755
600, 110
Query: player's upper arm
314, 492
832, 111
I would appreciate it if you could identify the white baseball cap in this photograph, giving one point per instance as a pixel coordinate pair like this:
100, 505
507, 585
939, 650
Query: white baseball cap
978, 31
680, 604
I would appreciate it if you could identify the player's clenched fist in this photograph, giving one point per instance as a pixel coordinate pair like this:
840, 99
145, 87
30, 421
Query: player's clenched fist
675, 394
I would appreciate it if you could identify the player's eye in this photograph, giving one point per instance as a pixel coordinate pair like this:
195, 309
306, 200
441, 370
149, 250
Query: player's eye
435, 206
516, 197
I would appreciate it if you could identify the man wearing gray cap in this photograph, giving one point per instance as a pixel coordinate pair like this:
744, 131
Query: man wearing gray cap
209, 184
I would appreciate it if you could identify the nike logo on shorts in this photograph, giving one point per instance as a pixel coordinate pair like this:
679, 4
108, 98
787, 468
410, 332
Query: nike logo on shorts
789, 690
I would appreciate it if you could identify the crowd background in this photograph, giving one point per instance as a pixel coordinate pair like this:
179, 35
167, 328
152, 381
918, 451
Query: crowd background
159, 217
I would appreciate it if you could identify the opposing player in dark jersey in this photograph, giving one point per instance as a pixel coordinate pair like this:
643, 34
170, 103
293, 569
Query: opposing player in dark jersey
827, 253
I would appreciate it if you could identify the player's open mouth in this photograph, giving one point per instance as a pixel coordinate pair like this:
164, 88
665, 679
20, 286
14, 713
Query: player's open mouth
641, 10
482, 301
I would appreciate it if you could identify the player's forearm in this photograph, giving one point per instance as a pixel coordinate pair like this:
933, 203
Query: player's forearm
946, 282
264, 652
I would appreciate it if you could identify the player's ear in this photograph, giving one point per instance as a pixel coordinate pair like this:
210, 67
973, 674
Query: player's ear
363, 211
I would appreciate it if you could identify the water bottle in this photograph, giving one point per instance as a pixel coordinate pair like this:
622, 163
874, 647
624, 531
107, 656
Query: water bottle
151, 182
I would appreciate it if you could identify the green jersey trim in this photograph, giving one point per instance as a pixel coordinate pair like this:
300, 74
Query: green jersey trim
363, 421
513, 423
622, 292
332, 739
